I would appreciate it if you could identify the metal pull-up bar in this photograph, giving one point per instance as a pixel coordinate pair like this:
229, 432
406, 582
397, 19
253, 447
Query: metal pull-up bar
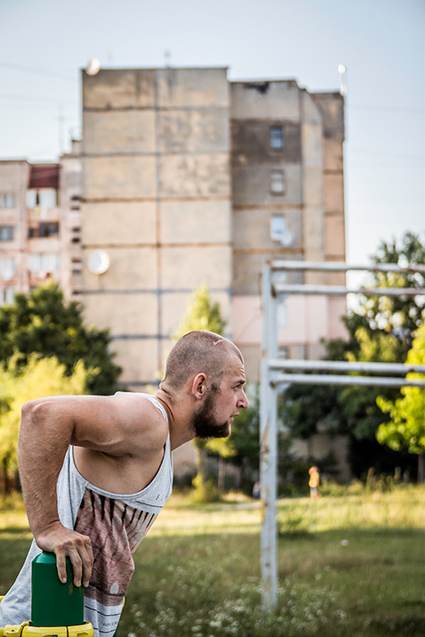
277, 375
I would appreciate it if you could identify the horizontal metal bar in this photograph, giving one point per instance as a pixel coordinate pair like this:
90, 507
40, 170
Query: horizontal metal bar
329, 379
341, 266
281, 288
345, 366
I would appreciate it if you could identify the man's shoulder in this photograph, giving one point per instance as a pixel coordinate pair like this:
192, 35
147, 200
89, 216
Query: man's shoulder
143, 413
144, 400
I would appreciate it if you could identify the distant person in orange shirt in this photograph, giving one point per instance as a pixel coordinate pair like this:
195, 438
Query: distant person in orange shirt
313, 482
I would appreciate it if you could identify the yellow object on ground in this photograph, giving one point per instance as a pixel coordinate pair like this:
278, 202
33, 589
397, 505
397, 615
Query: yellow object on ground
26, 630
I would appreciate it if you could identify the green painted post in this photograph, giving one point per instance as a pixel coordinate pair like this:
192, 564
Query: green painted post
54, 603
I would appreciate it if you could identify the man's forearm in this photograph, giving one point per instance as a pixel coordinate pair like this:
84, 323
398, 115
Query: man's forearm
44, 437
41, 450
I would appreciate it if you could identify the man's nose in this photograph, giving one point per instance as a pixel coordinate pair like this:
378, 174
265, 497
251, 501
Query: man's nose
244, 401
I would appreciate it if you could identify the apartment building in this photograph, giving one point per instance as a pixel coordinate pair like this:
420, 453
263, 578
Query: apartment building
190, 179
287, 203
40, 225
183, 178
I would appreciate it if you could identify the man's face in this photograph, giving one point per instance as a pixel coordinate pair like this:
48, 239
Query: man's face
219, 408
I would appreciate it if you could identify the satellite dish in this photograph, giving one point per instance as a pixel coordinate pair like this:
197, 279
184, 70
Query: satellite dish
98, 262
93, 67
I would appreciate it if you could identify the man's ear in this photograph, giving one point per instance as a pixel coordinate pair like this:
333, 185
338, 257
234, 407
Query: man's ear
199, 386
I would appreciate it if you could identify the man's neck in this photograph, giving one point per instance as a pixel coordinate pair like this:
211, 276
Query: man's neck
179, 415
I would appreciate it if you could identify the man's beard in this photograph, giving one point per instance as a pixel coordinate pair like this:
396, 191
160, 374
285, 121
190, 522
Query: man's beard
204, 422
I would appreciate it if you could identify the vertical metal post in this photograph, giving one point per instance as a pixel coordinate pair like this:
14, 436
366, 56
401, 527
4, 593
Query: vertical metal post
268, 445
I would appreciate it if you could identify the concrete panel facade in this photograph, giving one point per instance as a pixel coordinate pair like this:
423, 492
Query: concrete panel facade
123, 222
119, 177
131, 268
310, 161
265, 100
192, 88
193, 131
131, 353
157, 200
251, 184
122, 132
190, 179
188, 267
252, 227
195, 176
131, 314
119, 89
195, 221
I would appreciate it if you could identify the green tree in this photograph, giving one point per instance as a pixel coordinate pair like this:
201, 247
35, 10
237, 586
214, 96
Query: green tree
380, 329
396, 315
43, 323
406, 429
18, 385
203, 314
245, 440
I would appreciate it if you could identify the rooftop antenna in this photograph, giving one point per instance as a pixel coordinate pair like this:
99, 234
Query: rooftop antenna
343, 80
93, 66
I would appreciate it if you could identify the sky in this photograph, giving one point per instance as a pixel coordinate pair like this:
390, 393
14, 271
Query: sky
46, 43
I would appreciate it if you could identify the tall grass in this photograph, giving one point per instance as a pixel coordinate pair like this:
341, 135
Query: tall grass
349, 564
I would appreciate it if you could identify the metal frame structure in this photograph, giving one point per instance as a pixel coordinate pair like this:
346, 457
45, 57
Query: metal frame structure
278, 374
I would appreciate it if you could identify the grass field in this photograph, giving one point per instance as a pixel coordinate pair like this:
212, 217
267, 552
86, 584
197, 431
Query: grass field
350, 564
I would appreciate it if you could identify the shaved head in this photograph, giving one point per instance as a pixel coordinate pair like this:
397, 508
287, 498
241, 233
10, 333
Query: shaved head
196, 352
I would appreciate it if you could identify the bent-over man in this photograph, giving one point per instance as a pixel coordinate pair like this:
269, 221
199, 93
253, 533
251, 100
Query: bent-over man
97, 470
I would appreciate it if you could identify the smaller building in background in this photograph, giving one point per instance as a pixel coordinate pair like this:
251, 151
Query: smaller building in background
39, 225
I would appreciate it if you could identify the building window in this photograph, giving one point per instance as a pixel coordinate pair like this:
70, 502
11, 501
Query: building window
277, 185
279, 231
48, 229
44, 229
7, 268
7, 233
277, 227
7, 200
276, 137
43, 198
7, 296
44, 262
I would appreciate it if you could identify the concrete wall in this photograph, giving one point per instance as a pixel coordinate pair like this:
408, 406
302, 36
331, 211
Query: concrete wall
178, 189
331, 108
311, 203
157, 199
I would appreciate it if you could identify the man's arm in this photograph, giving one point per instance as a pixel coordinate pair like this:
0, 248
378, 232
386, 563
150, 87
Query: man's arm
48, 426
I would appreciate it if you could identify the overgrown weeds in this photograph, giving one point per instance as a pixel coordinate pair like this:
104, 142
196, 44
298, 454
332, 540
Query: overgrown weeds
198, 572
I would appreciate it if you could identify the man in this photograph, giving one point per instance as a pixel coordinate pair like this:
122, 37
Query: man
97, 470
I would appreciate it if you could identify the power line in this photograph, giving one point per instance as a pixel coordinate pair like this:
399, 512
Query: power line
401, 109
38, 71
365, 151
28, 98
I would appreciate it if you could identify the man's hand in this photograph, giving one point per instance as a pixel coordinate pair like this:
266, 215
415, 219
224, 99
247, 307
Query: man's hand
66, 543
